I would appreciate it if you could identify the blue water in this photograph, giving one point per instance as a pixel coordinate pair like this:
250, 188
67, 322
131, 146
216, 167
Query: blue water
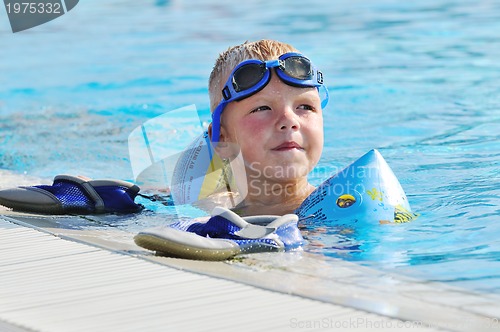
417, 80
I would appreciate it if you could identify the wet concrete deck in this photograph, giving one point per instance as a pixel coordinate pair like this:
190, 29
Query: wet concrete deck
60, 279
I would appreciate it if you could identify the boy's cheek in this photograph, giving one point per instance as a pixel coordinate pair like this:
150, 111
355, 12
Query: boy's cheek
253, 128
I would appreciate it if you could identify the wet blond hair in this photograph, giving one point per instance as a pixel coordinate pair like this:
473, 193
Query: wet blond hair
264, 49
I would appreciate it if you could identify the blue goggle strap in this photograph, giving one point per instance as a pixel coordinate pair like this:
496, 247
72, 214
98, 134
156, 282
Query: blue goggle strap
325, 100
216, 115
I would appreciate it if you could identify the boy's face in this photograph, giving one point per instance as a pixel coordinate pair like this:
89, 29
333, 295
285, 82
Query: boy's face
279, 130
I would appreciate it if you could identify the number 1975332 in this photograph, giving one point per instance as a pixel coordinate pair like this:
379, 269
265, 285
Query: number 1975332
34, 8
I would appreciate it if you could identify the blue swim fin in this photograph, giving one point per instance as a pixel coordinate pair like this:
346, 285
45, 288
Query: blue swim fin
69, 194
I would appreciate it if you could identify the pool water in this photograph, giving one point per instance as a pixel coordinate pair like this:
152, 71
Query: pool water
417, 80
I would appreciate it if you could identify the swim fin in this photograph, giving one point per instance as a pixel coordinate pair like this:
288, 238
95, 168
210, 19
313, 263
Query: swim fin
69, 194
223, 236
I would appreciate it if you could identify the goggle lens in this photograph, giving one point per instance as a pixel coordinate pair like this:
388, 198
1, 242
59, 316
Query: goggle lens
248, 76
298, 67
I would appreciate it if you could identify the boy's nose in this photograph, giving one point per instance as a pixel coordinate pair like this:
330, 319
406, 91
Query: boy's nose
288, 120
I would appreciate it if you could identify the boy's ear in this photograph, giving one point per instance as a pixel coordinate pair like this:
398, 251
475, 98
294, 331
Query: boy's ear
210, 131
221, 147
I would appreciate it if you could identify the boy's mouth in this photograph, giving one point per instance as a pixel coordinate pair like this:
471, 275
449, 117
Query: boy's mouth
287, 146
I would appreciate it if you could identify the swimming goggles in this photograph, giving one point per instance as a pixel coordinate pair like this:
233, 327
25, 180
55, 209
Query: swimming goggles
251, 76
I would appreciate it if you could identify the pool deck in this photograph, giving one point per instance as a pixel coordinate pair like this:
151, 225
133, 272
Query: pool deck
55, 278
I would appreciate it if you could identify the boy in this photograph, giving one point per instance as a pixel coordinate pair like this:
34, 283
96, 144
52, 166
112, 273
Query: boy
271, 113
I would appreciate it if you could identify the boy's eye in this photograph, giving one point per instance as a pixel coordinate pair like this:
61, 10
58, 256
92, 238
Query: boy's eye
306, 107
260, 108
